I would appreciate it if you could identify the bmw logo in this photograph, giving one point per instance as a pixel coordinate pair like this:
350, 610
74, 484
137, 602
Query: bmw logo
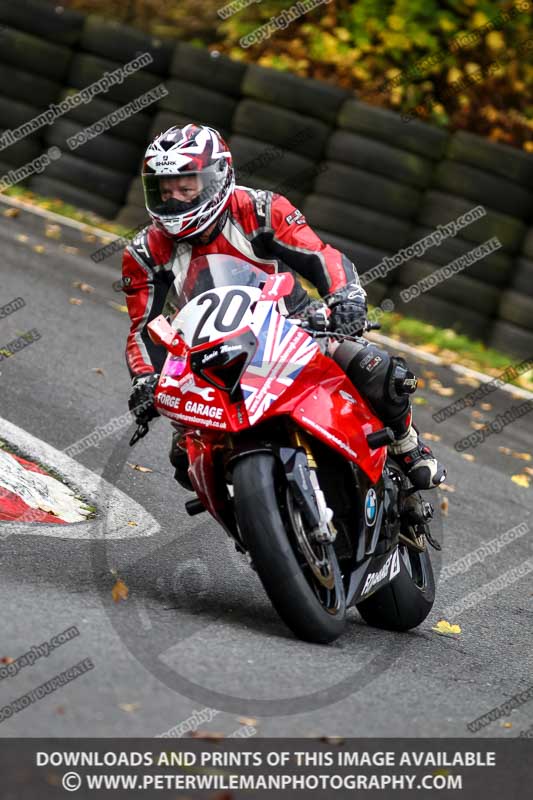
371, 507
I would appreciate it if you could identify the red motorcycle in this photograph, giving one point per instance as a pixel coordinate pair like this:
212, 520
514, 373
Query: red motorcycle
287, 457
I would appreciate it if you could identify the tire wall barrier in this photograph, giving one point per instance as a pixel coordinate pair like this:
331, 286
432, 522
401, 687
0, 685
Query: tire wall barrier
369, 183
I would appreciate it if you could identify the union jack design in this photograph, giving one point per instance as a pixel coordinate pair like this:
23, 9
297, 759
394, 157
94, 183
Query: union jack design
283, 351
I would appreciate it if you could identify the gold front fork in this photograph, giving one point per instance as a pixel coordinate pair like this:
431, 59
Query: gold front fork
300, 440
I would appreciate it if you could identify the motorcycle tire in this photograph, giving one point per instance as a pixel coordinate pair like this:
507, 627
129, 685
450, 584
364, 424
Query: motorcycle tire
272, 546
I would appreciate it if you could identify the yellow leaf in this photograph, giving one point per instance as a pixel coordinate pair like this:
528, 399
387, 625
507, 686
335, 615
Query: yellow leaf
118, 306
444, 506
446, 487
454, 74
495, 40
395, 22
52, 231
505, 450
119, 591
83, 287
11, 212
477, 425
529, 470
522, 456
129, 707
445, 629
38, 248
21, 237
139, 468
432, 437
89, 237
72, 251
132, 524
479, 19
247, 720
419, 401
75, 301
468, 457
521, 480
486, 406
445, 391
507, 724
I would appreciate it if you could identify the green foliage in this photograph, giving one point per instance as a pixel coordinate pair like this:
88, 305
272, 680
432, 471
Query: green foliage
363, 45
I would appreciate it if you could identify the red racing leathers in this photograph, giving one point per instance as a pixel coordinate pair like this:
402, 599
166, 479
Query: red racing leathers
262, 228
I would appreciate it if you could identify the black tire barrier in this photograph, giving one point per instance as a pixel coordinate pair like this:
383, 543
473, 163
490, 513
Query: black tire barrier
387, 126
110, 39
368, 190
13, 114
210, 70
86, 69
304, 95
460, 289
28, 52
511, 339
254, 159
91, 177
363, 256
442, 313
438, 208
508, 162
492, 191
135, 128
374, 156
132, 216
516, 308
135, 196
278, 126
494, 269
527, 246
105, 150
22, 152
51, 21
356, 223
212, 108
296, 197
24, 87
49, 187
523, 277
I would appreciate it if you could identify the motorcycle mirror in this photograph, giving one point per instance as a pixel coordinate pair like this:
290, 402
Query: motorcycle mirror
278, 285
160, 331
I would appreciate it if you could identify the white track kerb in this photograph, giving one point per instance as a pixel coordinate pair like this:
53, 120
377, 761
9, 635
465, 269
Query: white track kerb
112, 505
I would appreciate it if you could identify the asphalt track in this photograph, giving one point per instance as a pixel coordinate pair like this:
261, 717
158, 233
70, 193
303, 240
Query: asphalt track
197, 630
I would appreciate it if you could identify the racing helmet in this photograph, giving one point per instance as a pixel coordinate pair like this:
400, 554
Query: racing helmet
199, 153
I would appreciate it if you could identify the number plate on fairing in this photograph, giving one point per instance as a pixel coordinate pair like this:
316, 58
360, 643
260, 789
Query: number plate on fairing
216, 313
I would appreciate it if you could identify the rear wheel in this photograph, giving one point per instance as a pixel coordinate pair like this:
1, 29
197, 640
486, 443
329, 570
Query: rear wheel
406, 602
301, 577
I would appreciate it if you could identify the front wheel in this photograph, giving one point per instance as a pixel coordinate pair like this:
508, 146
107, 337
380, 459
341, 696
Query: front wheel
301, 577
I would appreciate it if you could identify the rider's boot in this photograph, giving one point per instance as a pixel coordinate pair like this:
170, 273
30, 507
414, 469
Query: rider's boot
414, 457
180, 462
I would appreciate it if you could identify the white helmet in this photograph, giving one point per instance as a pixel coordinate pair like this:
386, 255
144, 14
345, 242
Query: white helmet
182, 152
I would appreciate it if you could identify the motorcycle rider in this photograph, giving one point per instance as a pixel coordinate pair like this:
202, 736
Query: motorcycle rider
196, 209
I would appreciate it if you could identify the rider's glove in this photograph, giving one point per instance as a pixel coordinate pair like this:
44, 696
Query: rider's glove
142, 397
348, 310
315, 314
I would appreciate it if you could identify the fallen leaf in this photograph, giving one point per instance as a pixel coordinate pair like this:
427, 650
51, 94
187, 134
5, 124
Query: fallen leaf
445, 391
433, 437
477, 414
70, 250
118, 306
11, 212
466, 380
521, 480
98, 370
505, 450
444, 628
75, 301
522, 456
421, 383
38, 248
52, 231
338, 740
83, 287
139, 469
477, 425
215, 736
89, 237
444, 506
428, 373
468, 457
6, 660
429, 347
435, 384
247, 720
507, 724
21, 237
419, 401
446, 487
129, 707
529, 470
119, 591
486, 406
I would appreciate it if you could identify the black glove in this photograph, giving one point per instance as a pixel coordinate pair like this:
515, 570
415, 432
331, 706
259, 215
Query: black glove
142, 398
348, 310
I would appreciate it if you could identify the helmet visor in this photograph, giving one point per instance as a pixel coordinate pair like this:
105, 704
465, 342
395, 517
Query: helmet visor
183, 193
